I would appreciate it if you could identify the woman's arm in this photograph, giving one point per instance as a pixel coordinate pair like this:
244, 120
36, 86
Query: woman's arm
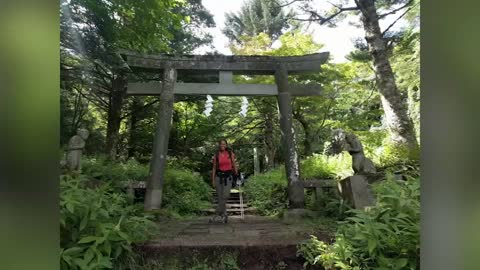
234, 164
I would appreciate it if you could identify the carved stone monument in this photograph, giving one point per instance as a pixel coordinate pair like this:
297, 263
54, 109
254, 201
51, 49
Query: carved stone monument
354, 189
75, 148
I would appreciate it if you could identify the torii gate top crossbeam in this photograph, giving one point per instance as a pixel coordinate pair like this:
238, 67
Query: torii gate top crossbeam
248, 65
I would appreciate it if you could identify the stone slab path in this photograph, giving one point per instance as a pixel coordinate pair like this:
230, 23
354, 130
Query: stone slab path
260, 243
251, 231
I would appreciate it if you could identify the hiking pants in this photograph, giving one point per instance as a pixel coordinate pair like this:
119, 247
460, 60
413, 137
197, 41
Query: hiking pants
222, 186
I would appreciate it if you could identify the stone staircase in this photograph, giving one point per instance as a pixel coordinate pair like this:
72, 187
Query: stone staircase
233, 205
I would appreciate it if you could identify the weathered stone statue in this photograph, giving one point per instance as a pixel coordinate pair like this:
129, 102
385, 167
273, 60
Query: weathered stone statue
75, 148
354, 189
343, 141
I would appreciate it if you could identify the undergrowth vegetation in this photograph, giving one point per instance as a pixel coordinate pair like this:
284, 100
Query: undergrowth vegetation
185, 192
385, 236
179, 183
116, 173
100, 223
97, 225
222, 260
319, 166
267, 192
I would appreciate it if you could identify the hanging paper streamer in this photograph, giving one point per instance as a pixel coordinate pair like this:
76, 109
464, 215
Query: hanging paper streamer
208, 106
244, 108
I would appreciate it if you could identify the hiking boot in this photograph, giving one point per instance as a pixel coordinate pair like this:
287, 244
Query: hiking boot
216, 218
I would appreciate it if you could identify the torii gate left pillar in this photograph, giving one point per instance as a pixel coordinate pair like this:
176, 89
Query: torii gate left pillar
296, 195
153, 194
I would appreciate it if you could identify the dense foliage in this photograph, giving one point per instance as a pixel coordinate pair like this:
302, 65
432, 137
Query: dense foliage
326, 167
267, 192
179, 183
118, 174
185, 192
255, 17
98, 225
385, 236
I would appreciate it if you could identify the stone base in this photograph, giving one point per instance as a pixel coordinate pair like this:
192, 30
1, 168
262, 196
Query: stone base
297, 214
357, 191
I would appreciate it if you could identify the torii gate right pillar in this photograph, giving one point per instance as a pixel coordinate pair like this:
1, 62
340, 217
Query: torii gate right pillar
296, 195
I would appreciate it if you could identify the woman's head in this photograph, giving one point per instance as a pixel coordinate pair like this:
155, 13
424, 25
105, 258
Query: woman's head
222, 145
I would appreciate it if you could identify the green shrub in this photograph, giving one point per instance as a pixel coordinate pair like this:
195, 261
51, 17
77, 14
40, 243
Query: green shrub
372, 142
97, 226
267, 192
187, 162
323, 166
116, 173
392, 155
385, 236
333, 206
185, 192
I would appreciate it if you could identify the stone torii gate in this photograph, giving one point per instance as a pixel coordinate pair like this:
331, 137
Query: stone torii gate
225, 67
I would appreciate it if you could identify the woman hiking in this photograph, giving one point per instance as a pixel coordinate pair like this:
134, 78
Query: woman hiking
223, 174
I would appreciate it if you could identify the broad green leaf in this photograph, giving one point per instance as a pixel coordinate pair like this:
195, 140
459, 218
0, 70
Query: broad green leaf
400, 263
89, 255
88, 239
84, 222
372, 244
73, 250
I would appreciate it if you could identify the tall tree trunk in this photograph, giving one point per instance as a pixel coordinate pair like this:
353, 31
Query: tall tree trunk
399, 124
134, 118
269, 143
115, 115
413, 108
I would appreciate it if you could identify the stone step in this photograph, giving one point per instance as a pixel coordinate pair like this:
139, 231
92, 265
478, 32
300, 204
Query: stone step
234, 208
249, 210
253, 254
231, 201
234, 205
257, 242
231, 196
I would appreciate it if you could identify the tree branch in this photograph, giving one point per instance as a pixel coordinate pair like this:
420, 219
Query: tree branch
249, 129
140, 109
98, 102
287, 4
395, 10
394, 22
314, 16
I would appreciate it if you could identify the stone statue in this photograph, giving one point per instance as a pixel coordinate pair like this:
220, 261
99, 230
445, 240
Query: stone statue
342, 141
75, 148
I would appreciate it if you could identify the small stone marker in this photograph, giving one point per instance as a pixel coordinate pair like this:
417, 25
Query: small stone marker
356, 190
